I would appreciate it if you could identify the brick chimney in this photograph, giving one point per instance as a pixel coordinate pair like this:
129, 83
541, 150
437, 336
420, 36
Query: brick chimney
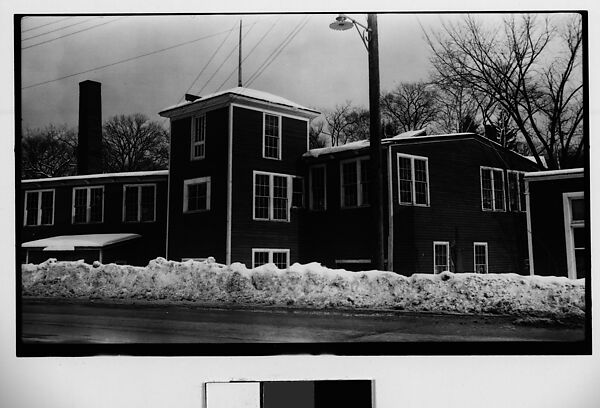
89, 148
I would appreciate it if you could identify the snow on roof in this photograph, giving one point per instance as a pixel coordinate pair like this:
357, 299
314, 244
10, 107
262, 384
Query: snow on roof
542, 159
410, 133
360, 144
555, 173
70, 242
101, 175
246, 92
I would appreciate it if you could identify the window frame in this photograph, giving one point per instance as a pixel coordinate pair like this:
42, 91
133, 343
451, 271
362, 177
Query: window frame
271, 251
413, 179
139, 203
447, 245
193, 142
264, 136
88, 211
487, 264
311, 199
493, 181
39, 207
198, 180
570, 225
271, 207
359, 183
519, 174
302, 191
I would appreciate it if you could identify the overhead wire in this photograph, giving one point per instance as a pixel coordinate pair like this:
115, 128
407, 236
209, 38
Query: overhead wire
127, 59
46, 24
60, 28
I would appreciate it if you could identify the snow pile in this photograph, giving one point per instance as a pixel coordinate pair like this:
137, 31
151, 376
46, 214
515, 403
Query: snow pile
310, 285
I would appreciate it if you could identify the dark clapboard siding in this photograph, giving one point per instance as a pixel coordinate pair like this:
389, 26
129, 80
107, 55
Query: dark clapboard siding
548, 225
203, 234
247, 157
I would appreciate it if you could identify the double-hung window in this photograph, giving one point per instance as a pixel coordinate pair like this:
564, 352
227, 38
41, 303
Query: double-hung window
272, 196
279, 257
88, 205
297, 192
574, 211
516, 190
354, 179
492, 189
198, 148
441, 256
413, 180
196, 195
139, 203
271, 136
480, 257
317, 196
39, 207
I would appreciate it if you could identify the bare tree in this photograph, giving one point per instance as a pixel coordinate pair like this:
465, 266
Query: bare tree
410, 106
347, 124
48, 152
134, 143
315, 134
530, 69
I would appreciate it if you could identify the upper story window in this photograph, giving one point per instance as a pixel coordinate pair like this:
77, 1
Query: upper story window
198, 148
196, 195
139, 203
88, 205
354, 175
317, 196
492, 189
271, 136
297, 192
516, 190
272, 196
39, 207
413, 180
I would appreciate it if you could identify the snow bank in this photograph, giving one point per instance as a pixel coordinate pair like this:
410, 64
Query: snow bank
310, 285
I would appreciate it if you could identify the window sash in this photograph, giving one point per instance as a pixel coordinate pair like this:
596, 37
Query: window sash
39, 208
196, 195
88, 205
317, 179
413, 180
297, 192
480, 257
441, 256
279, 257
354, 175
272, 196
198, 137
139, 203
271, 136
492, 189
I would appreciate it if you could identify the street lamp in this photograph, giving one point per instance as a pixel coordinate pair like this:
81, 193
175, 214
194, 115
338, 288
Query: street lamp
370, 40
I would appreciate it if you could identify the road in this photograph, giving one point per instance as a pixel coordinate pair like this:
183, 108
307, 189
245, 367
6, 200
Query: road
87, 322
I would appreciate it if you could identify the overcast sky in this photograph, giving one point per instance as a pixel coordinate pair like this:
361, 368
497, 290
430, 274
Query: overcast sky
318, 67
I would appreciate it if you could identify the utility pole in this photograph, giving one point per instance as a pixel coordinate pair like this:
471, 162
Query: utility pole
240, 56
375, 142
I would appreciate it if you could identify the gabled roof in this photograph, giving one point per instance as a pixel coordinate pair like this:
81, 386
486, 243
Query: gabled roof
70, 242
248, 93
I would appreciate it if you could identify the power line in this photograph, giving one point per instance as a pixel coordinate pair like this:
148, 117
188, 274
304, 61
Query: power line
44, 25
250, 52
282, 46
60, 28
73, 33
126, 60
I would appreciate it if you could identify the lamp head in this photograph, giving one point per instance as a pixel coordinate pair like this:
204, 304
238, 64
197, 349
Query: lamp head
341, 23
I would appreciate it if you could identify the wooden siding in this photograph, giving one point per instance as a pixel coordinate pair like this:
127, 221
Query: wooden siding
548, 225
247, 157
201, 234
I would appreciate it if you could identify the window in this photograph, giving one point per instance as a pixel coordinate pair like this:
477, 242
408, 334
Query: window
198, 149
480, 257
196, 195
279, 257
574, 209
88, 205
492, 189
297, 192
354, 174
39, 207
317, 198
441, 256
139, 203
516, 191
272, 196
271, 136
413, 180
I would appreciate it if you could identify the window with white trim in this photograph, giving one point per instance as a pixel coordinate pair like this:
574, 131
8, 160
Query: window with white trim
272, 196
574, 209
413, 180
271, 136
88, 205
139, 202
492, 189
39, 207
354, 179
441, 256
279, 257
480, 257
317, 181
196, 195
198, 148
516, 190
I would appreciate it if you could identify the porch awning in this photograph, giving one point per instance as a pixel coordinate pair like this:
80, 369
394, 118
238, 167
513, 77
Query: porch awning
70, 242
